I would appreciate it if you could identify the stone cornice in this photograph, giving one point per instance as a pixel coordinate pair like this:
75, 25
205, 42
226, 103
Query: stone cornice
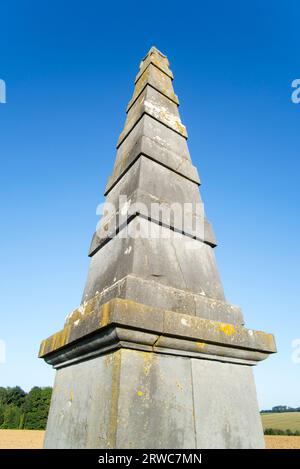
124, 323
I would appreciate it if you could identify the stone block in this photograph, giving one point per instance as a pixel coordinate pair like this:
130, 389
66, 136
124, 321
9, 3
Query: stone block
156, 105
151, 138
230, 417
153, 401
156, 78
153, 252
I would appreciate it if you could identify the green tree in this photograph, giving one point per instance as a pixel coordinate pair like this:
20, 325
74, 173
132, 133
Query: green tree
3, 395
36, 408
2, 410
269, 431
11, 418
15, 396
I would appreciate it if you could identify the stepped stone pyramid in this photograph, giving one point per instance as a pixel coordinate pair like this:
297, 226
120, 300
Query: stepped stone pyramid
154, 357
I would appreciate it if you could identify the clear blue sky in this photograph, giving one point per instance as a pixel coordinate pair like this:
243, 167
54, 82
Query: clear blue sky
69, 69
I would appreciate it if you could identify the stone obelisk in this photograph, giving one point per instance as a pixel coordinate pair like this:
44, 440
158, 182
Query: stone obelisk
154, 357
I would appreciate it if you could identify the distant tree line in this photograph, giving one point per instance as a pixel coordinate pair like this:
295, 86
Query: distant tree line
281, 408
276, 431
19, 409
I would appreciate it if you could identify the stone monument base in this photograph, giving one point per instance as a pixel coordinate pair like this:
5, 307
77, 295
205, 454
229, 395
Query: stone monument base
162, 380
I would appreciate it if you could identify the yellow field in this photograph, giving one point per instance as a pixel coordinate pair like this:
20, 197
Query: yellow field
282, 421
25, 439
21, 439
282, 442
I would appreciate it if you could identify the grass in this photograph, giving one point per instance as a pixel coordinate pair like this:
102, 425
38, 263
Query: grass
282, 421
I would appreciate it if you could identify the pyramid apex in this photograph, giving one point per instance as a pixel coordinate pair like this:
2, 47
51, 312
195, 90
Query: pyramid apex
157, 58
154, 50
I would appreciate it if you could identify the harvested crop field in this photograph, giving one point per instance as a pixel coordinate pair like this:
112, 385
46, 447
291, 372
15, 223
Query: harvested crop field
282, 442
21, 439
25, 439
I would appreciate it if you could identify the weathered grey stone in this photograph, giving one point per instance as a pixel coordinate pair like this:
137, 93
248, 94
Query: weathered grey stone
154, 357
134, 399
94, 328
191, 225
159, 143
156, 58
115, 401
159, 194
151, 251
155, 402
156, 78
79, 416
163, 184
163, 296
156, 105
150, 292
229, 418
